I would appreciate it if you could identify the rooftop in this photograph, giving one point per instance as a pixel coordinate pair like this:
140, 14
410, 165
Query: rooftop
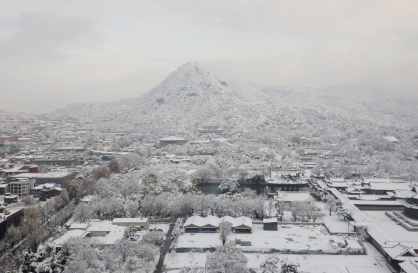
42, 175
172, 138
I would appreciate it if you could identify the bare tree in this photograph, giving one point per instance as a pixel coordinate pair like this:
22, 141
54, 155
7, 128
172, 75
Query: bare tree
101, 172
317, 215
362, 232
114, 166
86, 187
13, 234
259, 204
331, 203
270, 206
72, 189
224, 231
281, 205
32, 227
65, 197
29, 200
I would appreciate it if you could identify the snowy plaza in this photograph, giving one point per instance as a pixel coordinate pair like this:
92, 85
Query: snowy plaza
374, 262
286, 238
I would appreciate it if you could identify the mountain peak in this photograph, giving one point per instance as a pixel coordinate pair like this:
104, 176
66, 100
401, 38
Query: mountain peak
191, 67
190, 78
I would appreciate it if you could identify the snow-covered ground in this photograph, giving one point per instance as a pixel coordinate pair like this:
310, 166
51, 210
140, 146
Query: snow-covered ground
163, 227
371, 263
334, 223
293, 237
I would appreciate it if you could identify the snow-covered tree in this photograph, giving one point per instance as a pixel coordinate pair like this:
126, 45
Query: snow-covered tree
32, 227
362, 232
132, 208
270, 206
331, 203
101, 172
289, 267
13, 234
83, 212
224, 231
227, 258
191, 269
271, 265
317, 215
87, 186
154, 238
259, 207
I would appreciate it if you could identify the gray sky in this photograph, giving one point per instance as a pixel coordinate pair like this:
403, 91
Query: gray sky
57, 52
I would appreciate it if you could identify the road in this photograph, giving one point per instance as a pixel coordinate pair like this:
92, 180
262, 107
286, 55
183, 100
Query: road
163, 250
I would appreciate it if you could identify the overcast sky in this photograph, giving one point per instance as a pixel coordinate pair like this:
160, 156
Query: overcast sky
57, 52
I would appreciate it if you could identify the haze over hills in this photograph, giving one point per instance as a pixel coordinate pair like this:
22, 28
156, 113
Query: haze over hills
191, 96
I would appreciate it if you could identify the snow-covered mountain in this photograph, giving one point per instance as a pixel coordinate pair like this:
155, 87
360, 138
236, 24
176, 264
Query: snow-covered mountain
191, 96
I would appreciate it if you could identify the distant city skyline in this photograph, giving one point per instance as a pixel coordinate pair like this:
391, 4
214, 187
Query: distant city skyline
53, 53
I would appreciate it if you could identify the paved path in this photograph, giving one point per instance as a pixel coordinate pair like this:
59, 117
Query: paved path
164, 250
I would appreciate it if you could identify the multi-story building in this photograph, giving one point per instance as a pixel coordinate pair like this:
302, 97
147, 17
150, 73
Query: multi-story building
67, 162
21, 186
4, 188
41, 178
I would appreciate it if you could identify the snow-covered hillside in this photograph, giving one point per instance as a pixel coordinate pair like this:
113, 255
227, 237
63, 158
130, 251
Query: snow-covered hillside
191, 96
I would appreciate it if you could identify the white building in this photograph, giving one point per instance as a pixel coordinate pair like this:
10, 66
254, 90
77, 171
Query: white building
21, 186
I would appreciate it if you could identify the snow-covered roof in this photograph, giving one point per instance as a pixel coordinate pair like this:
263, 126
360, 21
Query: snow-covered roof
197, 221
376, 180
375, 202
70, 234
239, 221
79, 226
49, 185
409, 266
403, 194
173, 138
337, 180
353, 245
354, 190
396, 252
243, 221
339, 184
87, 198
270, 220
194, 221
129, 220
100, 226
42, 175
389, 186
391, 138
407, 204
211, 220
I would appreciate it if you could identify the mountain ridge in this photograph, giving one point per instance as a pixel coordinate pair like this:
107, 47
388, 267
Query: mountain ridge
190, 96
